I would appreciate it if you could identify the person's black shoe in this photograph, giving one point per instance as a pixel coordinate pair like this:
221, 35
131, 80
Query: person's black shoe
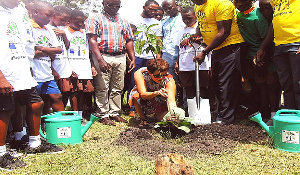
18, 144
45, 147
8, 162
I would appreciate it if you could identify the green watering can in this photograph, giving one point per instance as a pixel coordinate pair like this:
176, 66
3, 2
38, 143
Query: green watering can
65, 127
285, 129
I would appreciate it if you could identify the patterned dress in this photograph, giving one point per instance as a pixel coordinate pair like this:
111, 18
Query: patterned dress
155, 105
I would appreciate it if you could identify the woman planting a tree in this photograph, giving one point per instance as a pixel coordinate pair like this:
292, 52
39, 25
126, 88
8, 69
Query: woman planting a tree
154, 92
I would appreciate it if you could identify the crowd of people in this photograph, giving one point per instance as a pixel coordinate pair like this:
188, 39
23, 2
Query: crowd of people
247, 56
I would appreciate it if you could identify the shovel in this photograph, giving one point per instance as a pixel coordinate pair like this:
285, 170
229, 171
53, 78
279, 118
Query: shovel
198, 108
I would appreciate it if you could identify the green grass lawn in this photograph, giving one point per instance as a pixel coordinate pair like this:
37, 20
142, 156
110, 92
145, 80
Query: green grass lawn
97, 155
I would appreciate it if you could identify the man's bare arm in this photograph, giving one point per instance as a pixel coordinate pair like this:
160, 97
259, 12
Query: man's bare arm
95, 50
224, 28
130, 52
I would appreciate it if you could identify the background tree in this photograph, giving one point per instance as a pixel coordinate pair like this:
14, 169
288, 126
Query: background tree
185, 3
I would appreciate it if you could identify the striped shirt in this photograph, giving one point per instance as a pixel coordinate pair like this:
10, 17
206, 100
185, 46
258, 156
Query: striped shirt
112, 32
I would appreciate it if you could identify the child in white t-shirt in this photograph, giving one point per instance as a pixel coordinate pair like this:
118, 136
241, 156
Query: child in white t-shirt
23, 17
185, 62
17, 86
46, 48
17, 120
61, 68
78, 55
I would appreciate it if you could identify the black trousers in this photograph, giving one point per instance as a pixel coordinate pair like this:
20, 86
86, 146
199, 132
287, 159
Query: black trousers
288, 69
225, 81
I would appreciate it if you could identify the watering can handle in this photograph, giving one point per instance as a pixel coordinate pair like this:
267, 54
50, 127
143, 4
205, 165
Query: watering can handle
62, 113
290, 111
41, 133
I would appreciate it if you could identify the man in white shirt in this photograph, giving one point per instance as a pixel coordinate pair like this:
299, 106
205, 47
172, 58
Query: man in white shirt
170, 28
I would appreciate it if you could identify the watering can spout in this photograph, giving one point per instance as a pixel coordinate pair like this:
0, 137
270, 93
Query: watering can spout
84, 129
256, 117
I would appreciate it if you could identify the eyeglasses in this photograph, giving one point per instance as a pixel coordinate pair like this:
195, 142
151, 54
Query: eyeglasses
158, 76
113, 6
169, 8
151, 9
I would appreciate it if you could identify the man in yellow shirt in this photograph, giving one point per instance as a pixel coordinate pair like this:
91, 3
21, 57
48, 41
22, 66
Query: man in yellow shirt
286, 25
218, 26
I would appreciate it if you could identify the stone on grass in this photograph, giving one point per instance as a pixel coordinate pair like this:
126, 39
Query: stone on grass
172, 164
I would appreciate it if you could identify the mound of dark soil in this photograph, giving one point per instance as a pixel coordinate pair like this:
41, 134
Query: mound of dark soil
211, 139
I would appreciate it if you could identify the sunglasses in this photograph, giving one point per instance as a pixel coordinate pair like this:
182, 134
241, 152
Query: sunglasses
158, 76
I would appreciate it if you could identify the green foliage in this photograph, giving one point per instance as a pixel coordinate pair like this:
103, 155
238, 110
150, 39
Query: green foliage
185, 3
125, 100
176, 119
152, 43
86, 6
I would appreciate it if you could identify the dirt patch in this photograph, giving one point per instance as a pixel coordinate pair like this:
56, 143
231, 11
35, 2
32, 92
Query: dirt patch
211, 139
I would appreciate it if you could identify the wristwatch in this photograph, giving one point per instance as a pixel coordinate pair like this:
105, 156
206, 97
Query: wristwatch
204, 52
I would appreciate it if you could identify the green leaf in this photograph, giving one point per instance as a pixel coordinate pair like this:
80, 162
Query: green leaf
138, 46
184, 123
143, 42
147, 49
185, 129
148, 28
152, 42
188, 119
162, 123
125, 101
137, 32
151, 48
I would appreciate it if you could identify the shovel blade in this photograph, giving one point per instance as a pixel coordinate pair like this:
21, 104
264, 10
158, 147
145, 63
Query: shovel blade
200, 117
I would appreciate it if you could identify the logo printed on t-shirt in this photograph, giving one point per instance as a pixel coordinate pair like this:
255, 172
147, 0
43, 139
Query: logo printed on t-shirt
14, 44
13, 33
142, 28
77, 41
44, 41
202, 21
185, 36
12, 29
282, 8
26, 18
78, 46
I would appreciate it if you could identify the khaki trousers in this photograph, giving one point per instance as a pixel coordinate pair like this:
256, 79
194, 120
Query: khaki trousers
109, 86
